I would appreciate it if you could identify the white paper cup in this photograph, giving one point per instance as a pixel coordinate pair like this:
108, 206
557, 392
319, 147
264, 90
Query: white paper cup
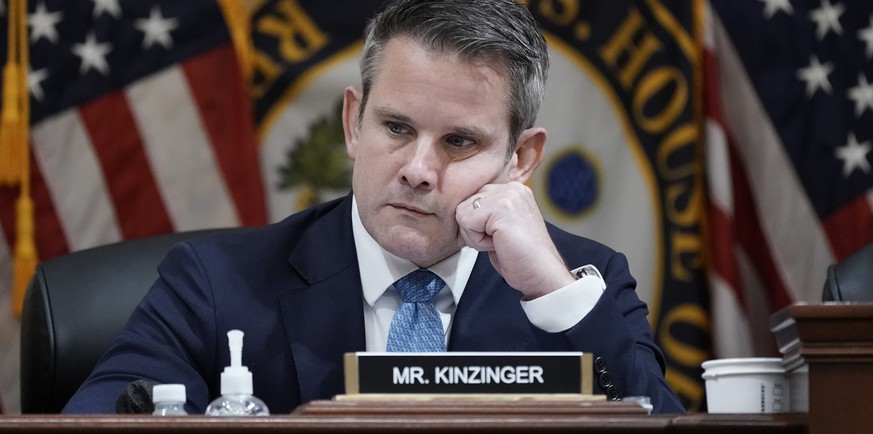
746, 385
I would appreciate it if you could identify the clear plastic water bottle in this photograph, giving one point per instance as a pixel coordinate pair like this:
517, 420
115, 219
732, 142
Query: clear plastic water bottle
169, 400
236, 386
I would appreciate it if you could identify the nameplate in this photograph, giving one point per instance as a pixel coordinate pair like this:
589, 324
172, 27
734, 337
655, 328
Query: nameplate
469, 373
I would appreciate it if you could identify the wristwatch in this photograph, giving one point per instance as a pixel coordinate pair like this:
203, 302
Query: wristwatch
589, 270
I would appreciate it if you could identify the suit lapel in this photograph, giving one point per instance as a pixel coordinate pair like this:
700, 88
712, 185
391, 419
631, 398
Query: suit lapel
323, 311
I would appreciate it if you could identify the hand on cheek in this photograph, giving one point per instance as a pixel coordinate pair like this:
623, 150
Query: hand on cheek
505, 221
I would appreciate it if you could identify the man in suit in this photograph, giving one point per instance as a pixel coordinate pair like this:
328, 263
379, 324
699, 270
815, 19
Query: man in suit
443, 139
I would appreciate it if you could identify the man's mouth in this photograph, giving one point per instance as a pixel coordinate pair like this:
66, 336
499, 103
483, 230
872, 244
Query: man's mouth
410, 209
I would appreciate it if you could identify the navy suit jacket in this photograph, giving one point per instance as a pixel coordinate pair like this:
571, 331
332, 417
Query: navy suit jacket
294, 288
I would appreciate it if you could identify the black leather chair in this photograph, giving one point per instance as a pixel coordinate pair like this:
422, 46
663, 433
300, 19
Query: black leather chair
74, 307
852, 278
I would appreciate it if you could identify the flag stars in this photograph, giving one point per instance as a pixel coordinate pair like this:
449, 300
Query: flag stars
862, 95
34, 82
771, 7
827, 18
866, 36
93, 54
854, 156
42, 24
156, 29
110, 7
816, 76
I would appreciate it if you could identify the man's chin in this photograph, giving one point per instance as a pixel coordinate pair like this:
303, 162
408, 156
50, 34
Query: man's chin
419, 250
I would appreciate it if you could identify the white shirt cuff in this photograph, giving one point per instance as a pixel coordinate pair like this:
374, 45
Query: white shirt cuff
562, 309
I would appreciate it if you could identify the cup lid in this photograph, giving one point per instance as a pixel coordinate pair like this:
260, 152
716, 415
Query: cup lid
742, 366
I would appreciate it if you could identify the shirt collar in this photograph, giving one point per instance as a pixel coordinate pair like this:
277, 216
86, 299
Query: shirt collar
380, 269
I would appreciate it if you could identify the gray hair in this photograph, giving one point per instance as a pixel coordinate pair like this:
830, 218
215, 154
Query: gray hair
501, 31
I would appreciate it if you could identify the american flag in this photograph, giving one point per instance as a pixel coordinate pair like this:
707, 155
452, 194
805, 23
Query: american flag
129, 101
789, 105
141, 124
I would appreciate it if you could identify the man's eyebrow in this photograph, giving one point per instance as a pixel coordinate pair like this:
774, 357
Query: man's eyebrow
470, 132
387, 113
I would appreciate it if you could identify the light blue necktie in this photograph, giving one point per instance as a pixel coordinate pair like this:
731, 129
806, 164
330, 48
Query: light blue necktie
416, 326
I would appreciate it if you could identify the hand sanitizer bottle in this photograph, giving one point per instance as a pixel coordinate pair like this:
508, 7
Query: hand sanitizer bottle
169, 400
236, 386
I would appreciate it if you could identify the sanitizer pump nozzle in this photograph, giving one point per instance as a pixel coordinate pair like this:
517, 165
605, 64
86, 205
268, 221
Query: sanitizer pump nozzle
236, 385
236, 378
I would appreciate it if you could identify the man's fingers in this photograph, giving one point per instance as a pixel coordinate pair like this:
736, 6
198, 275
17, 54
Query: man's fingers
477, 240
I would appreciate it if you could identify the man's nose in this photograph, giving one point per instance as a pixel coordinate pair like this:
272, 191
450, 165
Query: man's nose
423, 164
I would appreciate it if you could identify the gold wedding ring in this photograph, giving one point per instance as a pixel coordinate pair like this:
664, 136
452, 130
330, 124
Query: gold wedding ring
476, 202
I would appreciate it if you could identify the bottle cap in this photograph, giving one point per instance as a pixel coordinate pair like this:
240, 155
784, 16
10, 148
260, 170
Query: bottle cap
168, 393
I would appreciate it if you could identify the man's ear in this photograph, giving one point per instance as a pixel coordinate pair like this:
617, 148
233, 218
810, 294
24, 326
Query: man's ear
529, 153
351, 106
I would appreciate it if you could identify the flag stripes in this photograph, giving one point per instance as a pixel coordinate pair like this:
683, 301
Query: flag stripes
222, 101
750, 234
75, 180
179, 151
168, 153
731, 210
119, 148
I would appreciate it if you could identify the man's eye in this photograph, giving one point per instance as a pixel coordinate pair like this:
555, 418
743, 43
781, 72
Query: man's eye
395, 128
459, 141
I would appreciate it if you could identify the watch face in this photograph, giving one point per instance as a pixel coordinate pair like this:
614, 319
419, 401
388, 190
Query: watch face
584, 271
590, 270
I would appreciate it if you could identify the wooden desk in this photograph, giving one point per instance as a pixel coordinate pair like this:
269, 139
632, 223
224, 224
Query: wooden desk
319, 419
836, 341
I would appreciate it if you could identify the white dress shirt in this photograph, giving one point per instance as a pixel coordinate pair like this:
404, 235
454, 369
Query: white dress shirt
554, 312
